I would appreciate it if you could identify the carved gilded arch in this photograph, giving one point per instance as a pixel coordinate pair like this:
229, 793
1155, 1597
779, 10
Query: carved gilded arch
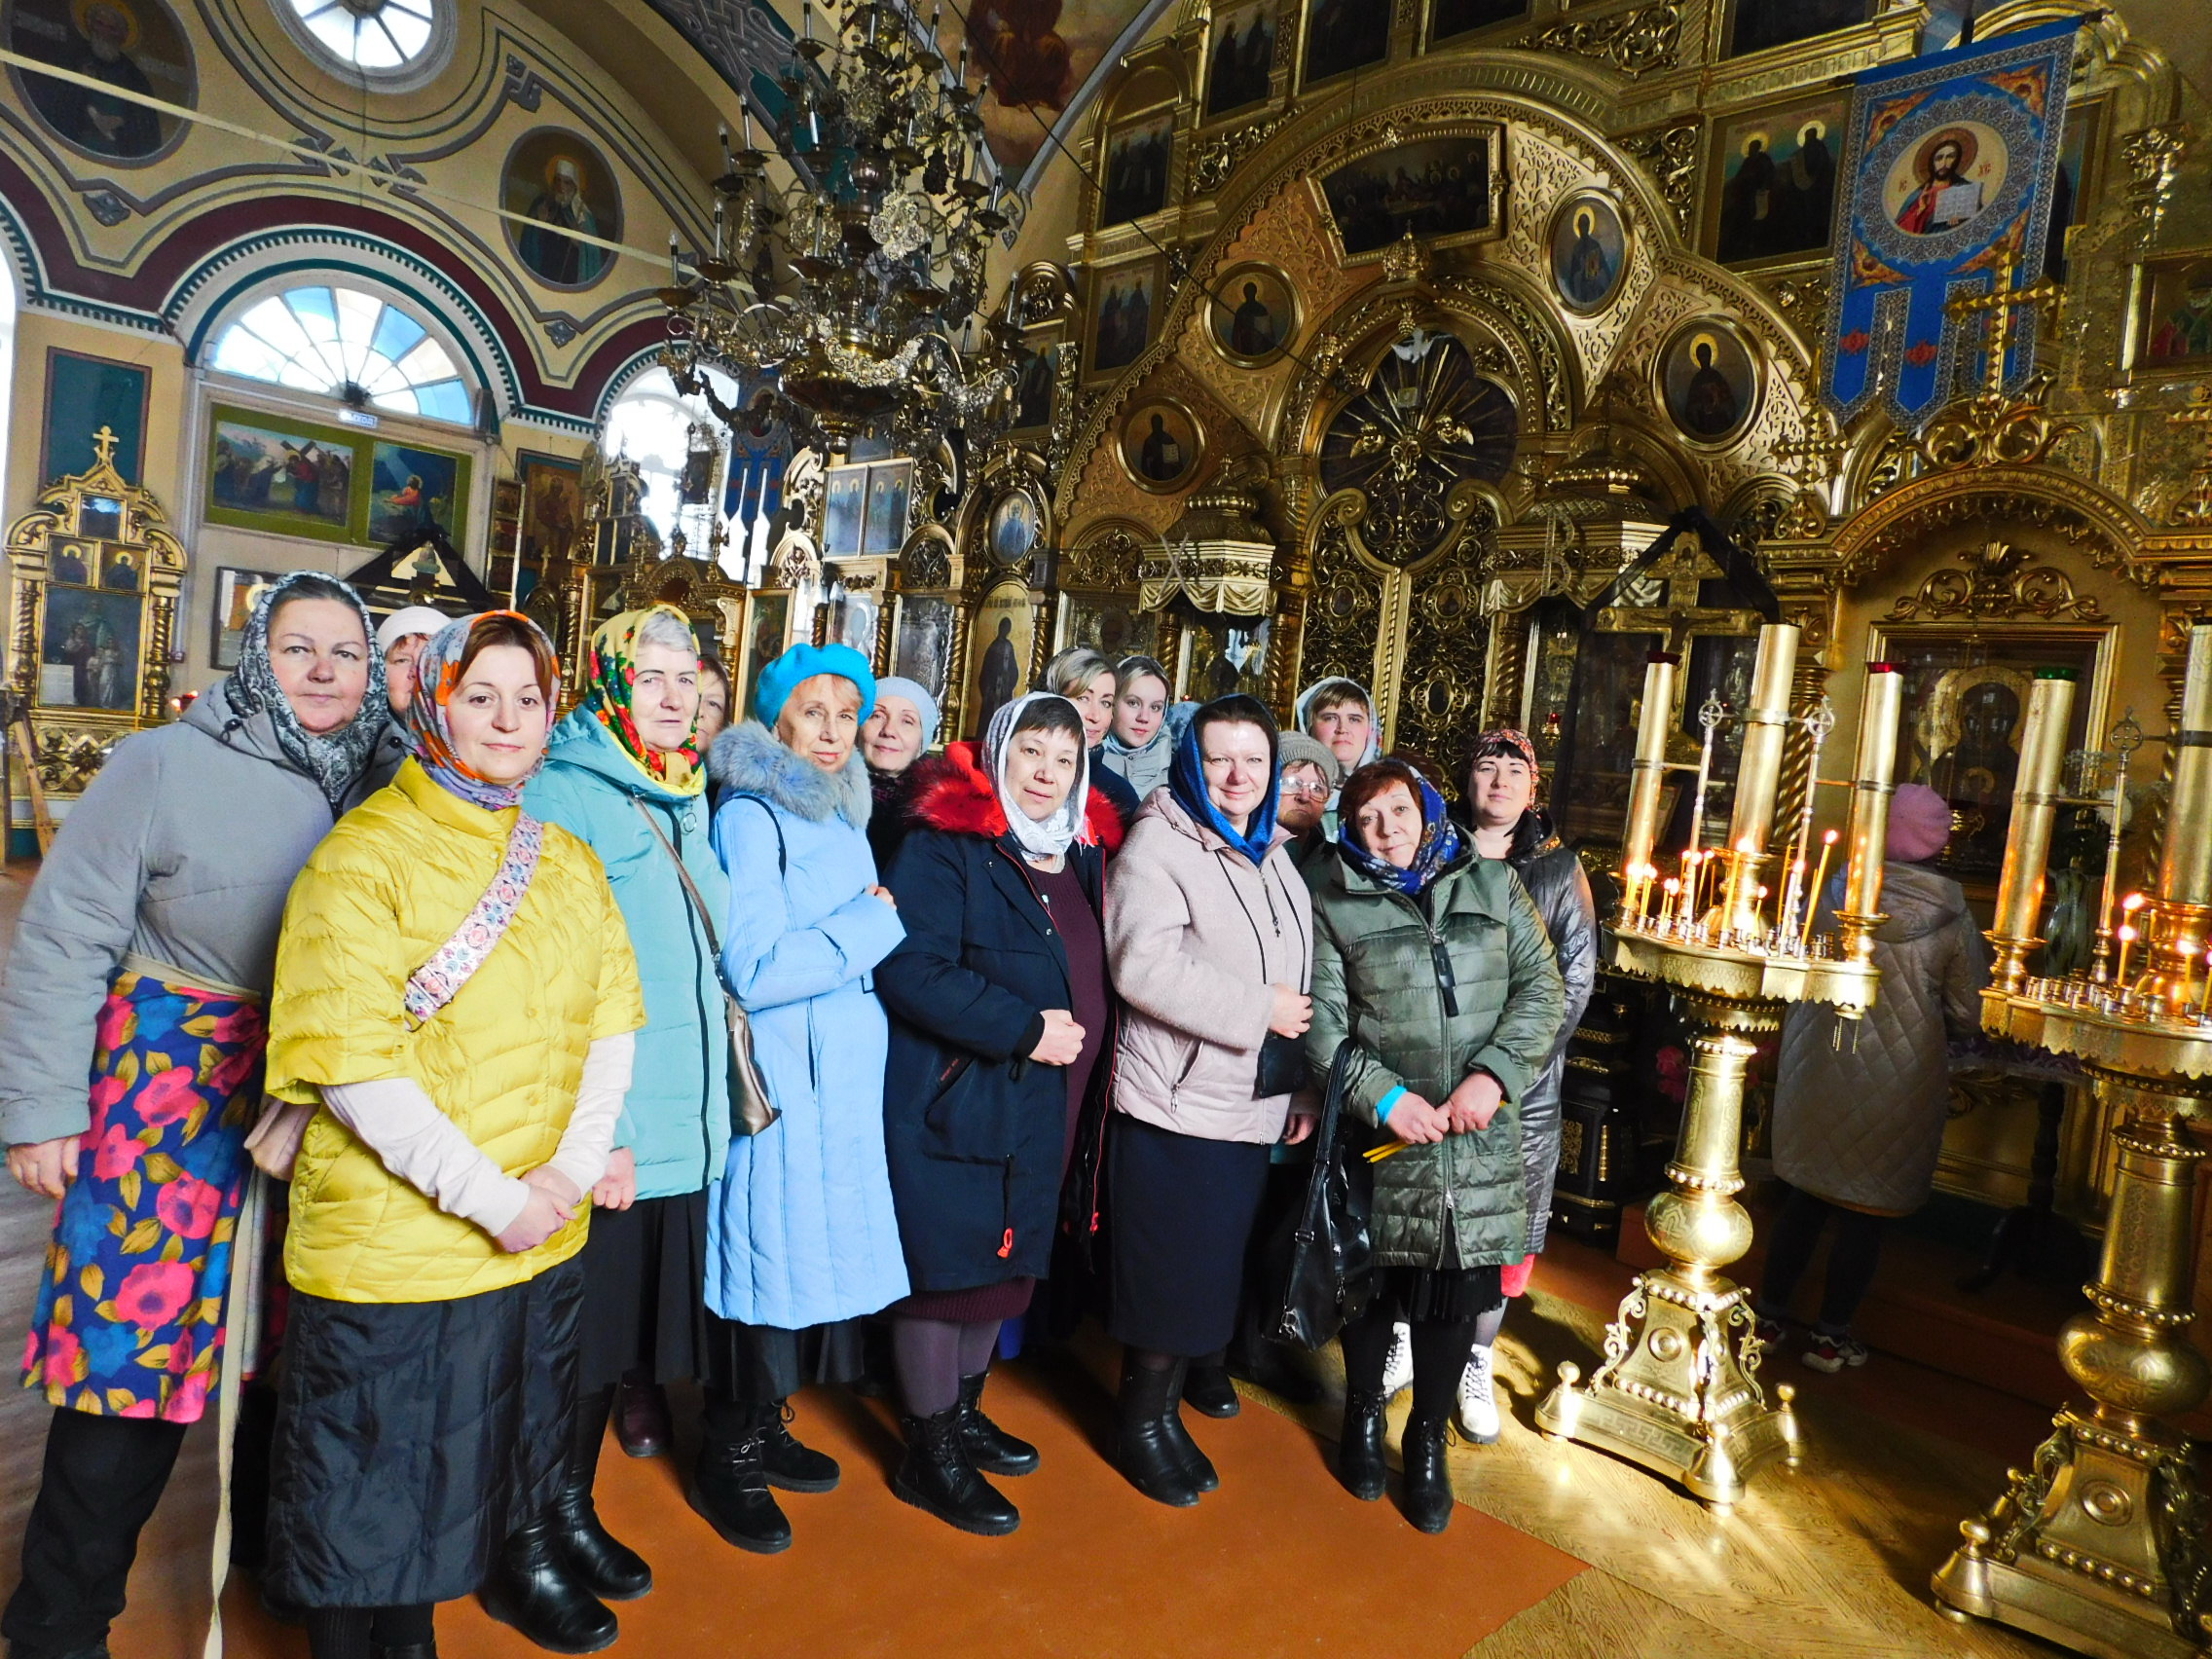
2104, 529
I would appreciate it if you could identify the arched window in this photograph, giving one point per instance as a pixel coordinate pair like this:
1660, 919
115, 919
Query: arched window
379, 40
651, 424
346, 345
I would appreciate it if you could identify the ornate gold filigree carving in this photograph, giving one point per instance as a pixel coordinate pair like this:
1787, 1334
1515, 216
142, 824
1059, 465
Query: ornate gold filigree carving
1668, 153
1217, 158
1648, 38
1997, 584
1990, 429
2192, 509
2153, 158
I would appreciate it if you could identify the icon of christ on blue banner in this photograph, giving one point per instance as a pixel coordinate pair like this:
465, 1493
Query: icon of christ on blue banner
1949, 162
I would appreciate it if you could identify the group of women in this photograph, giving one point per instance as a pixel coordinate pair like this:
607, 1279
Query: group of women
579, 1056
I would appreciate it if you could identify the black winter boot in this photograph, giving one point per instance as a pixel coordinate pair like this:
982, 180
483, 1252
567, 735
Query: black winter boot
989, 1446
937, 1476
1206, 1387
607, 1566
790, 1465
1359, 1453
1144, 1448
412, 1650
729, 1487
1197, 1465
1428, 1497
531, 1588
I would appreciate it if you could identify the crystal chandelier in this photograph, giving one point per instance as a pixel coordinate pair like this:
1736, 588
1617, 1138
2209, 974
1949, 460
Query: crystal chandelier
859, 282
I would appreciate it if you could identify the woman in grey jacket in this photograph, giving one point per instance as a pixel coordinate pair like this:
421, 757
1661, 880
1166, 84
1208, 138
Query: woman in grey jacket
150, 935
1210, 937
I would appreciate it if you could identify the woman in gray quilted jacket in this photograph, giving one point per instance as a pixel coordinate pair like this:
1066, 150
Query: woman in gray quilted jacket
1857, 1124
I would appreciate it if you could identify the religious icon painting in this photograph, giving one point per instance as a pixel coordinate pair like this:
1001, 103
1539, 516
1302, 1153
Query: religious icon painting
1253, 316
923, 651
83, 395
1589, 252
2177, 323
1036, 379
563, 188
1161, 445
1345, 35
844, 506
413, 491
890, 492
1012, 530
552, 506
270, 472
1760, 25
1707, 376
88, 649
132, 46
1771, 182
1137, 153
237, 592
1242, 64
1448, 18
1004, 627
1442, 191
1126, 306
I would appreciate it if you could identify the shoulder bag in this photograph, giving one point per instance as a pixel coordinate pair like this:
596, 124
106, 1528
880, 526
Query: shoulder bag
273, 1144
1324, 1258
751, 1109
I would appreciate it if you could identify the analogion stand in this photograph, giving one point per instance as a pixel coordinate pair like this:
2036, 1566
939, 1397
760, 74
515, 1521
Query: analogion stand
1679, 1389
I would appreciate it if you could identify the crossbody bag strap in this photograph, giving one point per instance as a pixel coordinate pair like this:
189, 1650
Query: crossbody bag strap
691, 887
454, 963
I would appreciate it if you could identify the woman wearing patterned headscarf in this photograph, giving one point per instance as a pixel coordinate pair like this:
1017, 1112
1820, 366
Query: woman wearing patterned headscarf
150, 935
1434, 965
455, 996
623, 775
1000, 1010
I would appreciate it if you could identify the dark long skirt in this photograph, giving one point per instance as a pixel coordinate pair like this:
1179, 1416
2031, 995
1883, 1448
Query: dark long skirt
413, 1437
762, 1364
1180, 1215
645, 1292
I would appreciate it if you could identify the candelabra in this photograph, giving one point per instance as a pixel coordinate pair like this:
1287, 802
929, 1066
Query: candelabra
2099, 1543
1679, 1389
860, 281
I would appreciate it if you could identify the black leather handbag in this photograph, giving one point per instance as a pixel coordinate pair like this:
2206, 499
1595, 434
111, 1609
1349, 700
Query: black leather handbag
1324, 1256
1282, 1067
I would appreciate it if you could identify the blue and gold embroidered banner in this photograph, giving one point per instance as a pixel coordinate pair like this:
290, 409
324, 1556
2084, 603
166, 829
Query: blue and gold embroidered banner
1948, 166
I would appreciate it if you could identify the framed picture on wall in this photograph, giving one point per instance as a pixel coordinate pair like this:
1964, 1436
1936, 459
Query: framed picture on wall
1137, 153
998, 647
1036, 379
890, 492
1444, 189
83, 395
237, 592
844, 507
768, 624
1126, 301
282, 475
2176, 335
413, 489
1241, 65
1109, 623
1770, 182
1345, 35
1758, 25
923, 651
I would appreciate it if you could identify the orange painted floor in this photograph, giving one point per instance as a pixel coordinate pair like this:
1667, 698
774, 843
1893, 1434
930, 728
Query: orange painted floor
1280, 1561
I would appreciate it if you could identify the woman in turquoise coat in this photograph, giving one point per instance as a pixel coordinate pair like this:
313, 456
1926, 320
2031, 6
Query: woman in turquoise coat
802, 1236
622, 774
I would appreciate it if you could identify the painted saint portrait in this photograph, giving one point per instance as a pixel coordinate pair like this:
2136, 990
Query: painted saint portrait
1122, 327
924, 652
1253, 314
1012, 530
1777, 183
1344, 35
73, 562
1136, 169
1003, 631
768, 624
890, 485
1244, 58
412, 490
1159, 445
1764, 24
129, 46
120, 571
1436, 187
2179, 323
844, 506
236, 593
88, 649
552, 506
1947, 180
565, 188
1708, 380
1589, 252
1034, 382
1460, 16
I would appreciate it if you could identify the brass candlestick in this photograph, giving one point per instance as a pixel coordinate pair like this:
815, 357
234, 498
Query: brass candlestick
1677, 1390
2099, 1543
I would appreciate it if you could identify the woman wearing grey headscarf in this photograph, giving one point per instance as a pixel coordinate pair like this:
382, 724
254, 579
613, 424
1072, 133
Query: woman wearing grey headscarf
150, 937
900, 730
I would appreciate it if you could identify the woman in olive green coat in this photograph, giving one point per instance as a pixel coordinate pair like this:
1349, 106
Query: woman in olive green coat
1434, 964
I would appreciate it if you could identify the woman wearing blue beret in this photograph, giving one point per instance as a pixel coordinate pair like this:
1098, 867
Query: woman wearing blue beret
803, 1239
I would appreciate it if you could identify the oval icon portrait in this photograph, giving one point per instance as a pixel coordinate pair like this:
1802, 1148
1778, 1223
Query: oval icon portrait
127, 46
1589, 252
1708, 380
562, 186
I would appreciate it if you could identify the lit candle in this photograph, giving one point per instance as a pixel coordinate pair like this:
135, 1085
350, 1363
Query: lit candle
1673, 889
2126, 944
1812, 893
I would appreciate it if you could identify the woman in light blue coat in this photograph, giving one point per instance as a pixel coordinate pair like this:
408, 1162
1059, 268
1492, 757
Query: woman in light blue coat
802, 1238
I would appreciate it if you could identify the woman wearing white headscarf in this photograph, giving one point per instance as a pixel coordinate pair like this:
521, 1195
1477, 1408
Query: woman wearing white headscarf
999, 1011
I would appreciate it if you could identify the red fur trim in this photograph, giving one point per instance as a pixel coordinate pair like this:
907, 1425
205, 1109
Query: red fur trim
953, 794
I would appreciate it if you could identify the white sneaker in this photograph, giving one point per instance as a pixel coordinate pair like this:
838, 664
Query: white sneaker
1398, 1369
1478, 1399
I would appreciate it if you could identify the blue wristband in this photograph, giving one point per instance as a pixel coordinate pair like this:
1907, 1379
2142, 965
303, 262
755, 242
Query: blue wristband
1383, 1106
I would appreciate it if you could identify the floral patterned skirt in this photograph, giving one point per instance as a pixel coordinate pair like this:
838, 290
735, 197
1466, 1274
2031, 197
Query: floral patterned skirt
129, 1315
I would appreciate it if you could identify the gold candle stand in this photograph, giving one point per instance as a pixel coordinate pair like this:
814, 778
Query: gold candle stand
1677, 1390
2099, 1544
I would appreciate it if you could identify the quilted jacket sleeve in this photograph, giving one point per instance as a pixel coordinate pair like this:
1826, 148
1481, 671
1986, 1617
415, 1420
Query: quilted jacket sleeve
1522, 1042
1966, 971
1573, 922
1366, 1077
621, 1007
335, 1014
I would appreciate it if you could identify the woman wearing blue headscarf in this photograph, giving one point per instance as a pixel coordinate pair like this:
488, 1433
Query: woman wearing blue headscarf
1210, 938
802, 1236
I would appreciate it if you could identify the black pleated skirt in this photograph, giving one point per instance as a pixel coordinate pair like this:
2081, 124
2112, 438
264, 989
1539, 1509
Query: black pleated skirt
762, 1364
412, 1437
644, 1293
1179, 1217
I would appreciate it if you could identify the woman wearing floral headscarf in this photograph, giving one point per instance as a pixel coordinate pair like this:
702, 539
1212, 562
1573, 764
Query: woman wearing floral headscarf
622, 774
455, 994
1433, 963
1000, 1010
149, 939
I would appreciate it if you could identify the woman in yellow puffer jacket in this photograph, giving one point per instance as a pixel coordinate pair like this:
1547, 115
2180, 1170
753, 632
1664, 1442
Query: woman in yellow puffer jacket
438, 1201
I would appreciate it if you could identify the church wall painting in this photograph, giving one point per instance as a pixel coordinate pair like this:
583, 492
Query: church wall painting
2176, 335
560, 182
1035, 380
270, 472
412, 489
1771, 182
1162, 445
88, 655
1240, 58
1758, 25
1589, 252
83, 395
1708, 379
1448, 19
134, 45
1038, 57
237, 592
1252, 316
1441, 190
923, 651
1134, 174
1126, 306
1006, 625
1343, 36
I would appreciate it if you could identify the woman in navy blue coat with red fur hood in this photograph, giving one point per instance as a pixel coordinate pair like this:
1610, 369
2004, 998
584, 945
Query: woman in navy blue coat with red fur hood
1001, 1018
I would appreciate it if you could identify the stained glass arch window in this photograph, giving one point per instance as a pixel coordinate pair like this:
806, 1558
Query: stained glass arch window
345, 343
375, 40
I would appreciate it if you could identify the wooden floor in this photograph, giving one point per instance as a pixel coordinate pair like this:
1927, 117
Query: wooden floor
1557, 1552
